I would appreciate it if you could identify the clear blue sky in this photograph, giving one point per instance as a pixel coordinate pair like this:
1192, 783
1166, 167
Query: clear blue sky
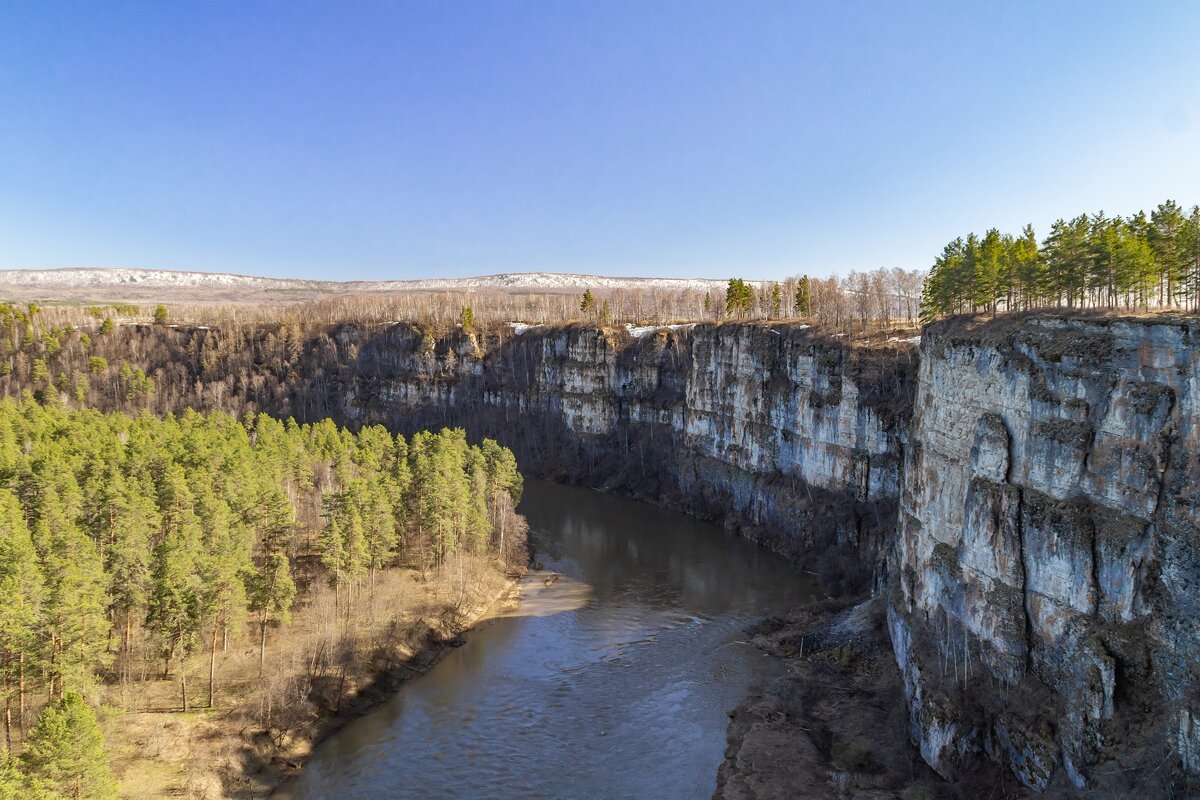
416, 139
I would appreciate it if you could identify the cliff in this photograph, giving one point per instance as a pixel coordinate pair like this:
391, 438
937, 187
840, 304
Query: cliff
792, 437
1043, 595
1032, 487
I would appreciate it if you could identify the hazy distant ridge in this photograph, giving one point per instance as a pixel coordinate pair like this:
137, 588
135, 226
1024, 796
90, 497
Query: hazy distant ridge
85, 278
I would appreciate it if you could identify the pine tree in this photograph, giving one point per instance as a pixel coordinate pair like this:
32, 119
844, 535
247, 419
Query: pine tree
1026, 268
16, 785
132, 520
989, 285
739, 298
379, 525
1167, 224
776, 301
331, 545
224, 560
66, 749
430, 501
588, 303
271, 592
75, 601
1094, 260
948, 288
1134, 266
22, 588
275, 519
1190, 254
174, 609
478, 527
803, 296
504, 485
1068, 260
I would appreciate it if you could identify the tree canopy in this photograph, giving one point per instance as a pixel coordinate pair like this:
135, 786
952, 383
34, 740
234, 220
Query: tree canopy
739, 298
65, 752
1093, 261
138, 533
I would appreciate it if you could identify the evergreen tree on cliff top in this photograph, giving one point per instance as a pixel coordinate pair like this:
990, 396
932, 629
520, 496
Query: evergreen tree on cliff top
739, 298
1086, 261
803, 296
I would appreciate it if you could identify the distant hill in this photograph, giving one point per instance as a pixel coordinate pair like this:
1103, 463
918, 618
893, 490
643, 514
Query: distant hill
121, 284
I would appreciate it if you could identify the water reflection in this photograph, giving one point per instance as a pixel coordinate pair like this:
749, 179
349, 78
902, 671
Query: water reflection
612, 681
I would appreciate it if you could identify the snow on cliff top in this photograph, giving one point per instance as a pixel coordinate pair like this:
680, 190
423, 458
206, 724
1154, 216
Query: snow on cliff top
151, 278
639, 331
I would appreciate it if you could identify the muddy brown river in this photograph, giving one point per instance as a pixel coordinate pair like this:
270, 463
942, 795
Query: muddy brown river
614, 681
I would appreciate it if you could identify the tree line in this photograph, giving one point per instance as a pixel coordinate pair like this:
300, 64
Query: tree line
860, 301
131, 539
882, 295
1090, 261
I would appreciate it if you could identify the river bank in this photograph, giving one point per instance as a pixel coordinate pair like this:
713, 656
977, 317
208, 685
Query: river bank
437, 641
835, 726
263, 728
612, 679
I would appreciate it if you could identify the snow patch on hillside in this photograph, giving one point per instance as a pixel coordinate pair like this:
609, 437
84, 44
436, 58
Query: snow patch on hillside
175, 279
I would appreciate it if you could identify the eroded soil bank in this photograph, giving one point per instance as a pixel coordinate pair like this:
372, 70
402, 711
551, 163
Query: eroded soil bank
227, 752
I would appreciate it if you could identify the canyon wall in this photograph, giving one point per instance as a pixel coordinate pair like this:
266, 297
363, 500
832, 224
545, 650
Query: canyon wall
792, 437
1033, 488
1045, 581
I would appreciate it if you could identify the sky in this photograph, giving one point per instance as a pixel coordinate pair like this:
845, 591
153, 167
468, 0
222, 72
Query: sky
691, 139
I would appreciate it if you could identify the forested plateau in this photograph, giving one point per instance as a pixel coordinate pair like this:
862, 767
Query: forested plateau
264, 575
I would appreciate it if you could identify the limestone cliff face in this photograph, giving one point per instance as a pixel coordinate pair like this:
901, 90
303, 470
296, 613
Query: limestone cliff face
795, 438
1045, 581
1043, 578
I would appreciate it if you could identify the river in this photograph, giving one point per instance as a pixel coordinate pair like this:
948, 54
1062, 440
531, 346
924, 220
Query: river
613, 680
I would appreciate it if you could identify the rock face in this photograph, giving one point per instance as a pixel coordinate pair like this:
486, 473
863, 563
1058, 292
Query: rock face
1035, 488
1045, 582
794, 437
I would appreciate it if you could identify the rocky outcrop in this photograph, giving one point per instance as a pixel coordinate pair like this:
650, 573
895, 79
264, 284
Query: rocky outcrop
794, 437
1043, 594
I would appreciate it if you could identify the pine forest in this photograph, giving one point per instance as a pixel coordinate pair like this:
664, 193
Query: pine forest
143, 551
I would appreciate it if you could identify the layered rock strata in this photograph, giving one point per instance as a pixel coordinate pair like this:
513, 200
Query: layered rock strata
793, 437
1044, 603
